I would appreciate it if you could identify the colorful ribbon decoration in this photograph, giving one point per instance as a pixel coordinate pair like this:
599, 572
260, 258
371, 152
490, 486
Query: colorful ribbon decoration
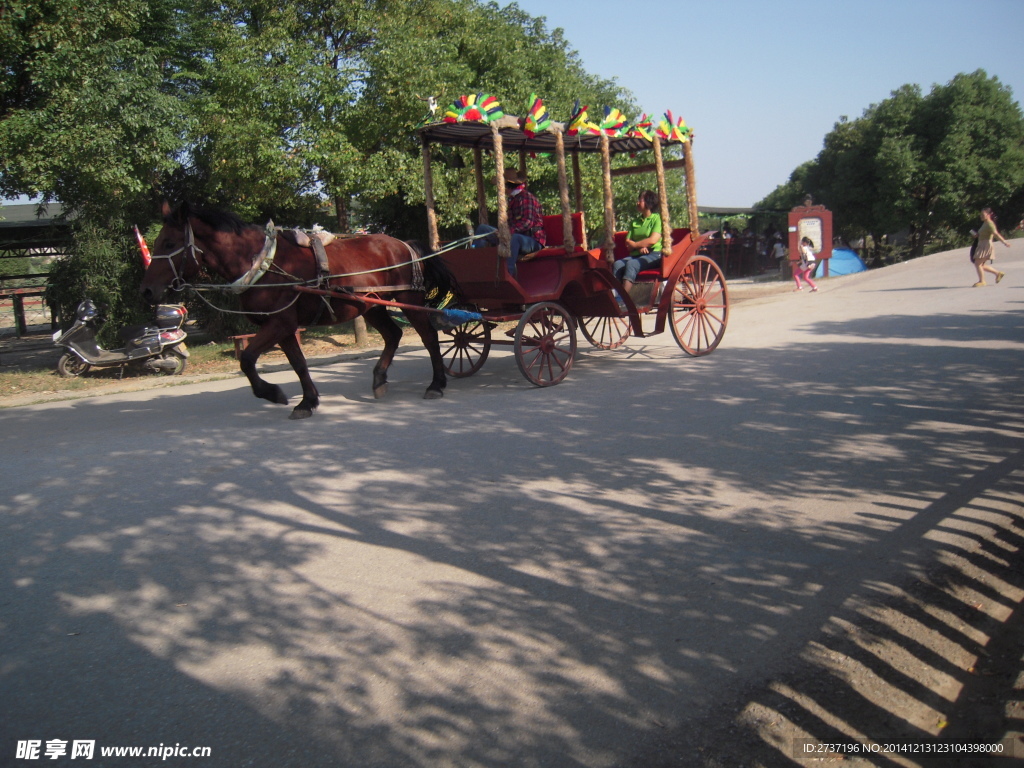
673, 130
480, 108
537, 119
642, 129
614, 123
484, 108
578, 122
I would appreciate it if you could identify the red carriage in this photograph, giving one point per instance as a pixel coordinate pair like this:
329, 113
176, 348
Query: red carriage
287, 279
566, 285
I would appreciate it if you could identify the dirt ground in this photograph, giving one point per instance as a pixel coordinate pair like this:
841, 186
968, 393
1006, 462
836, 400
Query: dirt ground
934, 662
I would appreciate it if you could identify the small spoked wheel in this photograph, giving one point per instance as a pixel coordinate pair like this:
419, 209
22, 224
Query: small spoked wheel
464, 349
178, 359
699, 311
71, 365
605, 332
545, 343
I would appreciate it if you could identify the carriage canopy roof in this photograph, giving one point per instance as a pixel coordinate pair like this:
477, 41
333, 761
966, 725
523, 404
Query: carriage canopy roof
514, 138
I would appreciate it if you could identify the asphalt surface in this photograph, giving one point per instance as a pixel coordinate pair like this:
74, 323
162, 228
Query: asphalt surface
580, 575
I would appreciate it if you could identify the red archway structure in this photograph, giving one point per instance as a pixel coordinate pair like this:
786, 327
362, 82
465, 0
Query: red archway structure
815, 222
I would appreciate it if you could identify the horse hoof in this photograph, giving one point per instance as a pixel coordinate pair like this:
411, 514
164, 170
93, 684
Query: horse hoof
433, 394
272, 394
300, 413
379, 392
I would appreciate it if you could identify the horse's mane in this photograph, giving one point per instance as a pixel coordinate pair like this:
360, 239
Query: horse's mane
216, 218
223, 221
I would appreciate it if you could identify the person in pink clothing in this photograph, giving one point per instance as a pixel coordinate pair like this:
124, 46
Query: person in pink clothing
806, 265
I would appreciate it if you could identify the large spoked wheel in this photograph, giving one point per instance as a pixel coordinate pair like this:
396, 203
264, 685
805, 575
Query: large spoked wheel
700, 307
71, 366
545, 343
465, 348
605, 332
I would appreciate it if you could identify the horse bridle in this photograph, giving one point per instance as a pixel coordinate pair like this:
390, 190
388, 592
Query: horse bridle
189, 249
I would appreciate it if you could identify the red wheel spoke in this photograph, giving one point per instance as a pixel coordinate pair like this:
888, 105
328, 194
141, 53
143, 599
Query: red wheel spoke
545, 344
700, 307
464, 349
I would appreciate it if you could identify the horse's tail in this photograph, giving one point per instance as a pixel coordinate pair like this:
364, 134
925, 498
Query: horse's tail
438, 280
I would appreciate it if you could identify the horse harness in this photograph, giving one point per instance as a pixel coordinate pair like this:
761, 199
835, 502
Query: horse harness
189, 249
317, 239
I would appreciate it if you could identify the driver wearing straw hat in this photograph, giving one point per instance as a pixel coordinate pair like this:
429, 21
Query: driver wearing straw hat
525, 220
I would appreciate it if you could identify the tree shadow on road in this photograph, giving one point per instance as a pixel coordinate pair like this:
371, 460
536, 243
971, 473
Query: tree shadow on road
571, 576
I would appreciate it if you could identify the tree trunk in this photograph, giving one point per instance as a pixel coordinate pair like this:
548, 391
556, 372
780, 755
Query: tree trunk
341, 212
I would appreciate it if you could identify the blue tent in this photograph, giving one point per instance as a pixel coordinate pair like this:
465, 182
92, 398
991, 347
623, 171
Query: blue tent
843, 262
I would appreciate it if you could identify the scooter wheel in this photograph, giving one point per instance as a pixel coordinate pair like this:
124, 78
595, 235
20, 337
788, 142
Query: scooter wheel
70, 365
180, 362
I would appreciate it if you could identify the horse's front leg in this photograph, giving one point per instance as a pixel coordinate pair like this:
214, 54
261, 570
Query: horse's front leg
310, 396
265, 339
428, 335
381, 321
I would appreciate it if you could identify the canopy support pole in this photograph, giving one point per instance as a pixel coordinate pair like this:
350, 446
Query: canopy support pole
576, 184
563, 194
666, 226
691, 188
609, 202
428, 189
504, 237
481, 191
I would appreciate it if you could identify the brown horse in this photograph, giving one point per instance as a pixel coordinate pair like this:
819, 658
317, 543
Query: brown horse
370, 265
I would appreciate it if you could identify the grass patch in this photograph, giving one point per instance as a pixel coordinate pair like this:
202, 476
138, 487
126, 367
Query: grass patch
34, 372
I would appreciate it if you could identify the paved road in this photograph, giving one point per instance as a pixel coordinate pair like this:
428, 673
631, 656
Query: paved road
572, 576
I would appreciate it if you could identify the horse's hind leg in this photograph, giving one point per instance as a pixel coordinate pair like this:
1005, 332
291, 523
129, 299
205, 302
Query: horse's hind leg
428, 334
310, 396
381, 321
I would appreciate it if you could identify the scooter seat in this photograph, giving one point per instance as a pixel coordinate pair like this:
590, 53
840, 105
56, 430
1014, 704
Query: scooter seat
135, 331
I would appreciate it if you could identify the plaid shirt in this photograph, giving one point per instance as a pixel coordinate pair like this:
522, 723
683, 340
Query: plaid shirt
525, 216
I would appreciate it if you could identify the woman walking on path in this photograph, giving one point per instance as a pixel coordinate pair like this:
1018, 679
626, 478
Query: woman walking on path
984, 253
806, 265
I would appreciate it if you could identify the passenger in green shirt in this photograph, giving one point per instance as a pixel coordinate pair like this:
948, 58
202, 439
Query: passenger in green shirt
643, 240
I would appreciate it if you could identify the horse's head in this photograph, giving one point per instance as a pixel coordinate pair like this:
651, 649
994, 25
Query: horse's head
176, 257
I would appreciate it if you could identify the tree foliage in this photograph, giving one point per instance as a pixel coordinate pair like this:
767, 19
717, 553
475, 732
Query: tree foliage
919, 164
298, 112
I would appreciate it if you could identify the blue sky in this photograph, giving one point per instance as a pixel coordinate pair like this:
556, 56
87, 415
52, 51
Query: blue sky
762, 81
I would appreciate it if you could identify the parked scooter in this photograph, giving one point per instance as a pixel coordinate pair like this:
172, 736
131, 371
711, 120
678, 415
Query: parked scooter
158, 348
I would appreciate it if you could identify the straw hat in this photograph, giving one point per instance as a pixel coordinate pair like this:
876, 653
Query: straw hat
512, 176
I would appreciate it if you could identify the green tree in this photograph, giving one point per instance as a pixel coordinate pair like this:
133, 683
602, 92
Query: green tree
300, 112
83, 118
921, 164
973, 143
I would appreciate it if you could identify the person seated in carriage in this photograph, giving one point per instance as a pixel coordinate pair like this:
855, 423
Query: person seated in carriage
525, 220
643, 239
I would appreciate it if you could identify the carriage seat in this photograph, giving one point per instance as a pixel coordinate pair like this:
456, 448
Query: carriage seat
555, 240
654, 272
